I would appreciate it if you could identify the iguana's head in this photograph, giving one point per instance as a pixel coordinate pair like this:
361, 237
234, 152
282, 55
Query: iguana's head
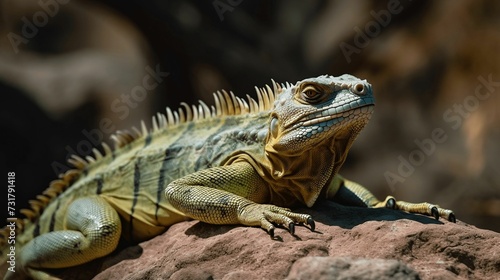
319, 111
312, 126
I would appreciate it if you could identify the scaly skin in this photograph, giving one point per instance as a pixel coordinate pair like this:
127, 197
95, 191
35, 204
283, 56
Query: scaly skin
237, 163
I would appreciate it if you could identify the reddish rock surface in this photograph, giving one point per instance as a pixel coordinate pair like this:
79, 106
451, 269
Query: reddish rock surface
320, 268
351, 241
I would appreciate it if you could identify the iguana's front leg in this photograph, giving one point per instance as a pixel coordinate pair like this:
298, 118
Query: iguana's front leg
231, 195
351, 193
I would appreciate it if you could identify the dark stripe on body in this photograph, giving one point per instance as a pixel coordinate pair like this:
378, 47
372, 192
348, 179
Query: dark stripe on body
214, 151
208, 155
36, 231
170, 153
137, 181
99, 185
147, 140
53, 217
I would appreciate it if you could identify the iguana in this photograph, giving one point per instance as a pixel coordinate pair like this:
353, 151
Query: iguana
238, 162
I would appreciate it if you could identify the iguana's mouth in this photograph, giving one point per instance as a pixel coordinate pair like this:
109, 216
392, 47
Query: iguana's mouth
334, 118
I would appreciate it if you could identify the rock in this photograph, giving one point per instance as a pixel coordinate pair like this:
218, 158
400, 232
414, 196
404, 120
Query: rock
323, 268
361, 242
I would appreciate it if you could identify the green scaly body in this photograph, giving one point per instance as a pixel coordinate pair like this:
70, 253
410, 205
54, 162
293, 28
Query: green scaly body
156, 160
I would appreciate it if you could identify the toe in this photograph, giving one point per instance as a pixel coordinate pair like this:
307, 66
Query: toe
311, 223
452, 218
435, 212
391, 203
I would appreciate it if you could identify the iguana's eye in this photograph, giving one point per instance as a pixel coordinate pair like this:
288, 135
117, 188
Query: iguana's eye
311, 94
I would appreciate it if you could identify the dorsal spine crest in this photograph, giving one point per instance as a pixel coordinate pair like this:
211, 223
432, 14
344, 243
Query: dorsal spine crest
225, 104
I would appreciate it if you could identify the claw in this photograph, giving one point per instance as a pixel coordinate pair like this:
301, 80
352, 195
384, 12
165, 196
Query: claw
271, 232
391, 203
311, 223
435, 212
452, 218
291, 228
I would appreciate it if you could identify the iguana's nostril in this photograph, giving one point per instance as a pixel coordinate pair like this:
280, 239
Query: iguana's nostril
358, 89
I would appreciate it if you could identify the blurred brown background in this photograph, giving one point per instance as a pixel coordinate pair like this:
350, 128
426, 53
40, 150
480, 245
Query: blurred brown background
72, 71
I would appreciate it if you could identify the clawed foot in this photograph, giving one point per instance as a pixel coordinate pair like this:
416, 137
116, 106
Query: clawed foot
420, 208
266, 216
